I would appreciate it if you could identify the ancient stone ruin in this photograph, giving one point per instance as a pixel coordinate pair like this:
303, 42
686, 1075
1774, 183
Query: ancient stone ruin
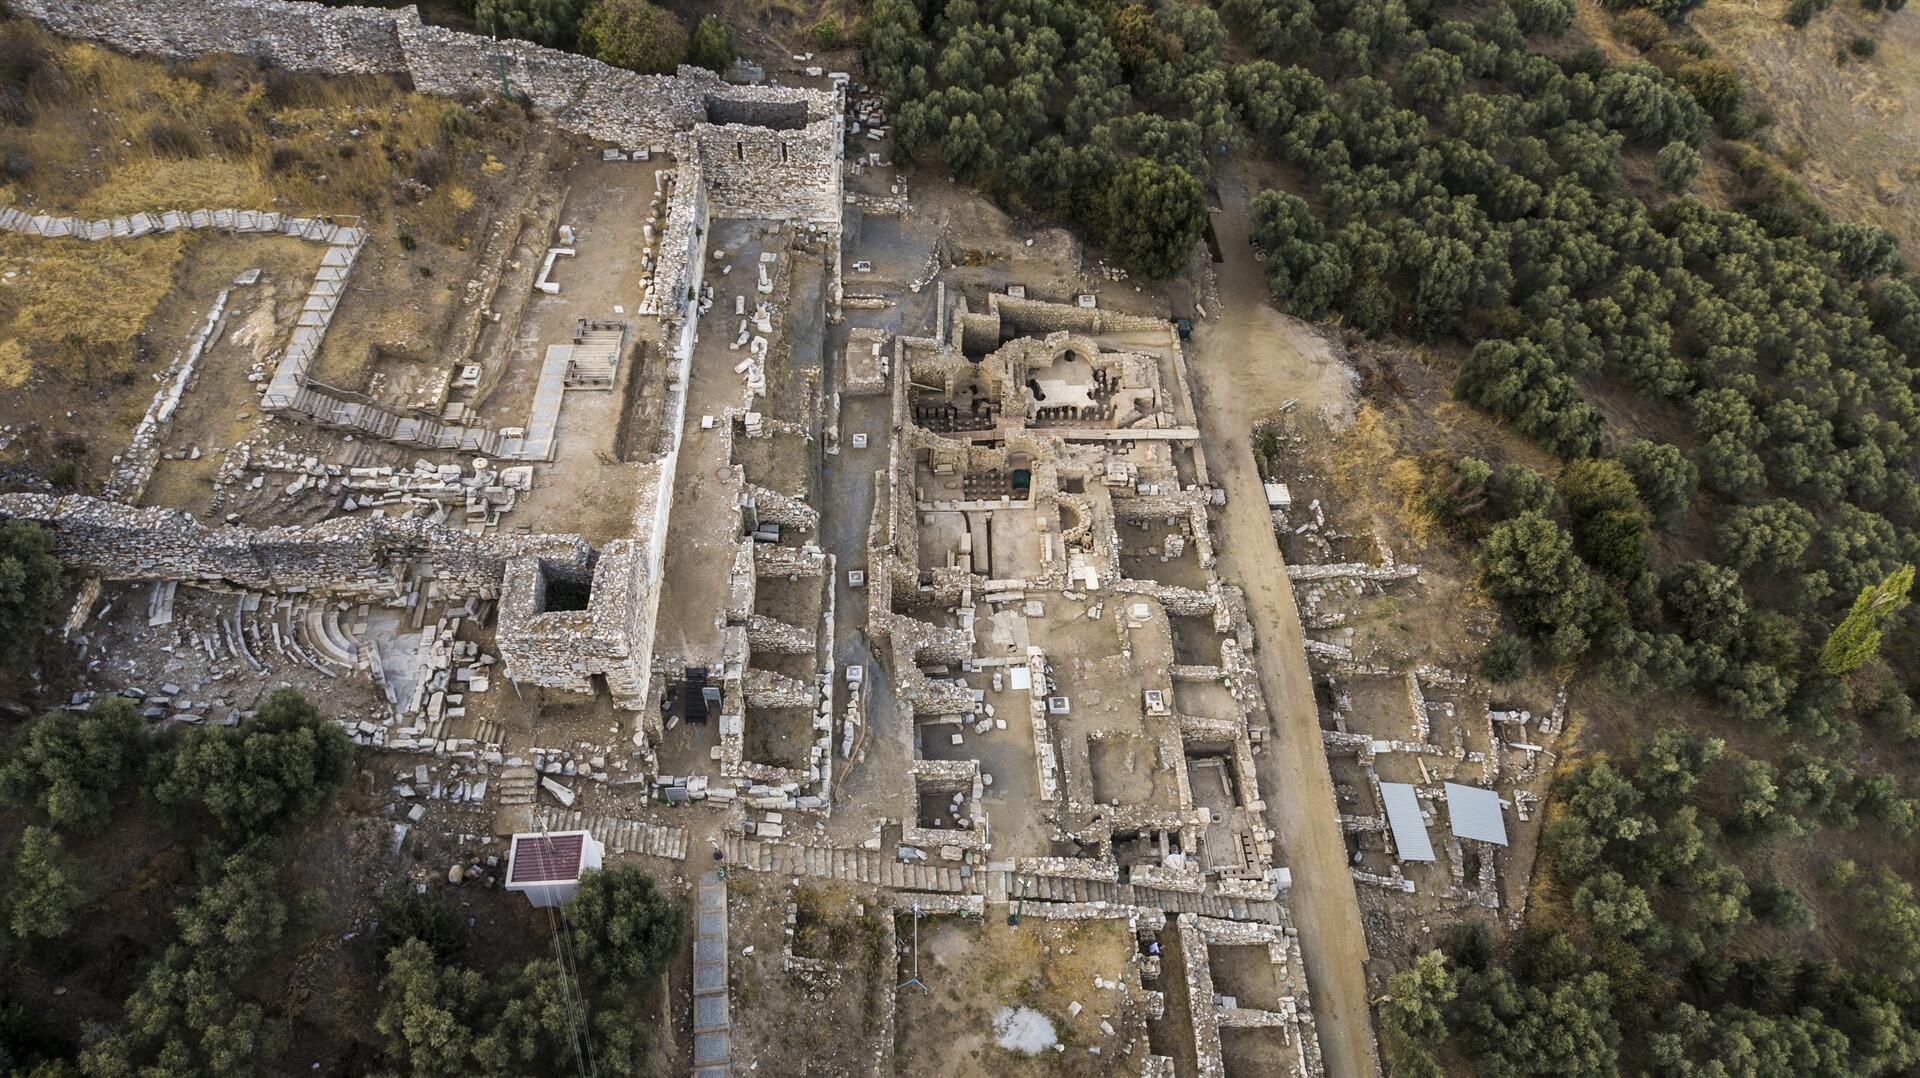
678, 555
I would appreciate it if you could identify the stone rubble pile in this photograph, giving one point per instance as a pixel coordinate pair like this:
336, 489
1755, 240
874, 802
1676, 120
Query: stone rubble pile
434, 491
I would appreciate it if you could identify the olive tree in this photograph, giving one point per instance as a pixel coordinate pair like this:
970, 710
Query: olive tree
629, 929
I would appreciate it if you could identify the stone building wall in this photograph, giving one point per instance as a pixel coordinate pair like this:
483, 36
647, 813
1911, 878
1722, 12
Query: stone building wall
613, 636
762, 172
1033, 317
772, 560
676, 271
296, 36
773, 507
1198, 996
775, 637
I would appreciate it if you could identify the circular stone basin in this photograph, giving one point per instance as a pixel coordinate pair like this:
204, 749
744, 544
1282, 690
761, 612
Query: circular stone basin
1023, 1029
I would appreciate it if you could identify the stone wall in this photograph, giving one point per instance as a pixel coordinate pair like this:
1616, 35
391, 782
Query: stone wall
297, 36
773, 507
761, 172
134, 468
772, 560
1033, 317
775, 637
613, 636
581, 94
361, 556
677, 270
1198, 996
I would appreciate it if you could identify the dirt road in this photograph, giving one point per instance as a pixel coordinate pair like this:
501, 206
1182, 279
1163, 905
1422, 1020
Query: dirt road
1247, 360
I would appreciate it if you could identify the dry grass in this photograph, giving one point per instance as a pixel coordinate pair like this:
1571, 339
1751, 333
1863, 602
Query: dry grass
15, 367
77, 308
1369, 462
806, 13
1851, 129
159, 183
112, 134
1847, 129
94, 133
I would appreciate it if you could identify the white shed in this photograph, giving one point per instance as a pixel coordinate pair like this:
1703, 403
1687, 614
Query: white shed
547, 866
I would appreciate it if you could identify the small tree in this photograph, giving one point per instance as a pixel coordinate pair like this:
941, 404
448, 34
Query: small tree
1772, 534
45, 891
629, 930
30, 583
1892, 920
1676, 166
634, 34
1714, 84
1615, 908
1706, 600
281, 768
407, 914
1801, 12
1757, 801
1507, 659
1528, 563
1640, 28
1662, 474
1154, 215
1610, 526
544, 22
72, 766
1432, 77
711, 46
1413, 1017
1519, 489
235, 920
1542, 16
1856, 640
433, 1017
1674, 762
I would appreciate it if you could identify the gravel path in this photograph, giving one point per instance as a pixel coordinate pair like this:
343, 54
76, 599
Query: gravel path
1247, 361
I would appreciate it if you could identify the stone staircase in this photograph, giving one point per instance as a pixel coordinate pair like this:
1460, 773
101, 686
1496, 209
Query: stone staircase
997, 884
341, 410
1038, 888
320, 630
304, 629
616, 834
517, 784
489, 732
849, 865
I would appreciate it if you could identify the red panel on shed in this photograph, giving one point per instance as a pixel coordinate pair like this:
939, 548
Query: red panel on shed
543, 859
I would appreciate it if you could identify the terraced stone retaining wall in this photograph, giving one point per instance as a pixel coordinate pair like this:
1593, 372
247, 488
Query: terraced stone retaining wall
361, 556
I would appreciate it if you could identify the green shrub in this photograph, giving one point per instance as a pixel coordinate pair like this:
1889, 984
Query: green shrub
1801, 12
634, 34
711, 46
1506, 659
